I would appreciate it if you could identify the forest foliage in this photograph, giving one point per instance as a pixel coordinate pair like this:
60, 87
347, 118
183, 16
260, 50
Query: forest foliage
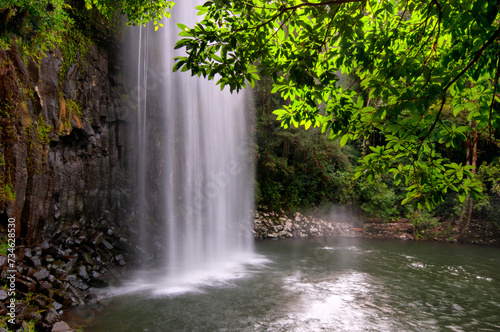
407, 90
37, 26
426, 78
305, 170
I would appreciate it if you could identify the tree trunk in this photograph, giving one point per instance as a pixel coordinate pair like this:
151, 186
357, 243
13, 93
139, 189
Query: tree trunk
365, 145
469, 202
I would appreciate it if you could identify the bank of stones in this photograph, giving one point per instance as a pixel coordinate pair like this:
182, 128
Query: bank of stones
269, 225
52, 278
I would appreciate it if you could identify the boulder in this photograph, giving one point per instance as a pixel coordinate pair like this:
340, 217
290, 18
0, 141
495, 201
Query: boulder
83, 272
3, 260
97, 283
34, 261
61, 327
41, 274
28, 316
87, 258
51, 316
76, 282
25, 285
45, 285
108, 245
57, 306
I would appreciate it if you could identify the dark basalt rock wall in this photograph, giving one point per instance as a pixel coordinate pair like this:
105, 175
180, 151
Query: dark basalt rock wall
63, 143
66, 160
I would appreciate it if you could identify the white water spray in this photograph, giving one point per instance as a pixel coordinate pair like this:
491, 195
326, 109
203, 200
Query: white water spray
205, 176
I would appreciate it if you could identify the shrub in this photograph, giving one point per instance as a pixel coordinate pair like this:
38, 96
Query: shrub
376, 199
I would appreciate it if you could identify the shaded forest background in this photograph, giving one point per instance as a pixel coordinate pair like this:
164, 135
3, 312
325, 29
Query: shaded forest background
297, 169
303, 170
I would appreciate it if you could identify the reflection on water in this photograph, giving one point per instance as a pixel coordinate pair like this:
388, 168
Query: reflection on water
327, 286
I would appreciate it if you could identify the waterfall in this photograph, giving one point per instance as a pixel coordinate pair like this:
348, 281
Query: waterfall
194, 169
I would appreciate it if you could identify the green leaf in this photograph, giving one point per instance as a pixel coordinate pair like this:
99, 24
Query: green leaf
201, 10
344, 140
462, 197
182, 27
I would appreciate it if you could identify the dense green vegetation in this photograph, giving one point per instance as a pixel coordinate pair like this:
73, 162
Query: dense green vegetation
36, 26
417, 63
305, 170
408, 89
299, 169
420, 107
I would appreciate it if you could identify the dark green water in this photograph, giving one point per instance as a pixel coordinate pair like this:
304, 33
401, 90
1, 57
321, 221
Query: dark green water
335, 285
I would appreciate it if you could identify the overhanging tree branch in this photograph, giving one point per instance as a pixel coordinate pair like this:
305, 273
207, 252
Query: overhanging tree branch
283, 10
445, 89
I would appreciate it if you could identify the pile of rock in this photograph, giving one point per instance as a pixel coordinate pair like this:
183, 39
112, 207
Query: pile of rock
377, 228
271, 225
53, 277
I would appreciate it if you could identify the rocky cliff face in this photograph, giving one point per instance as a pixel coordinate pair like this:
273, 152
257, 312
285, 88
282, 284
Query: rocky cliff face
65, 165
63, 152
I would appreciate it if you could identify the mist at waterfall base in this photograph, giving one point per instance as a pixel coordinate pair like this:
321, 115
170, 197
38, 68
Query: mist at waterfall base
194, 169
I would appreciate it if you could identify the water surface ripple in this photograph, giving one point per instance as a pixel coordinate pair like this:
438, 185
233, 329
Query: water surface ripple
336, 285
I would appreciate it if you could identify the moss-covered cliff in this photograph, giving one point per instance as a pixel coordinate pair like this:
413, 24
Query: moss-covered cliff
64, 171
62, 152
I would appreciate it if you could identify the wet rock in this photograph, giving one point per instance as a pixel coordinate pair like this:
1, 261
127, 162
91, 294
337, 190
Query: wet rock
87, 259
52, 250
45, 245
57, 306
52, 316
40, 303
49, 259
3, 294
69, 300
45, 285
74, 281
78, 298
76, 181
61, 327
34, 261
29, 272
97, 283
41, 274
58, 297
107, 244
28, 316
58, 264
88, 249
83, 272
41, 326
61, 273
25, 286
